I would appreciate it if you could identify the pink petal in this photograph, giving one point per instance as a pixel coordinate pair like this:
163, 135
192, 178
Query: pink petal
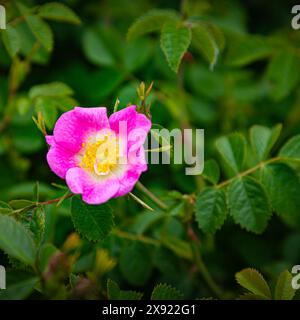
137, 124
74, 126
93, 191
132, 175
60, 159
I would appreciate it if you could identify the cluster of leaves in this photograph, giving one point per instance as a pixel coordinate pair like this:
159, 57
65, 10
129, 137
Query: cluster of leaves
56, 246
256, 185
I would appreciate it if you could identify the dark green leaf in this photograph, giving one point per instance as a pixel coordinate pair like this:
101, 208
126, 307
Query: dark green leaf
211, 171
283, 187
291, 149
93, 222
16, 241
263, 139
211, 209
115, 293
248, 204
165, 292
232, 149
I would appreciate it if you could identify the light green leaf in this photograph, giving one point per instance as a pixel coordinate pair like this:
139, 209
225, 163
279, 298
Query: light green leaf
284, 289
135, 263
53, 89
58, 12
11, 40
16, 241
291, 149
47, 106
211, 209
243, 50
204, 40
115, 293
137, 54
283, 73
165, 292
41, 31
93, 222
263, 139
232, 149
150, 22
248, 204
175, 40
211, 171
283, 187
253, 281
95, 50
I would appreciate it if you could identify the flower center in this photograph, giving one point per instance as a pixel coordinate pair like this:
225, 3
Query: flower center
100, 154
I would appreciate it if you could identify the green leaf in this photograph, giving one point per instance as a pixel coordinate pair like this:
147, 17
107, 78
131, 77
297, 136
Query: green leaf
211, 209
19, 286
175, 40
284, 289
248, 204
243, 50
58, 12
204, 40
41, 31
137, 54
16, 241
232, 149
291, 149
211, 171
150, 22
47, 107
11, 40
53, 89
283, 188
93, 222
283, 73
165, 292
263, 139
135, 263
253, 281
115, 293
95, 50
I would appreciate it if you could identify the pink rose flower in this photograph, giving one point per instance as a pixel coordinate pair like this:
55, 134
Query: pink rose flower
96, 156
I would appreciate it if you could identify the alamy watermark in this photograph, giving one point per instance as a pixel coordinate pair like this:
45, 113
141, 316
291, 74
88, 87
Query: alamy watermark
2, 17
295, 22
296, 277
2, 278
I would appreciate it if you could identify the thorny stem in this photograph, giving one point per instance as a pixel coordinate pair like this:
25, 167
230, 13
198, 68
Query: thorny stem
153, 197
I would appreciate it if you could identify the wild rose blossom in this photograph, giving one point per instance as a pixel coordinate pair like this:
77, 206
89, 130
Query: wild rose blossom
99, 157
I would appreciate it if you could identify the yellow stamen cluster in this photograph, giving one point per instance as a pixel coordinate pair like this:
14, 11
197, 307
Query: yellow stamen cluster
100, 155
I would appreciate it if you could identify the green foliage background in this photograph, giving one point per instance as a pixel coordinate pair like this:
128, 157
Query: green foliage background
230, 67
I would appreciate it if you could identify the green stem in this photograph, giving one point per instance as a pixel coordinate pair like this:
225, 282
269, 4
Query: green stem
249, 171
151, 196
204, 271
